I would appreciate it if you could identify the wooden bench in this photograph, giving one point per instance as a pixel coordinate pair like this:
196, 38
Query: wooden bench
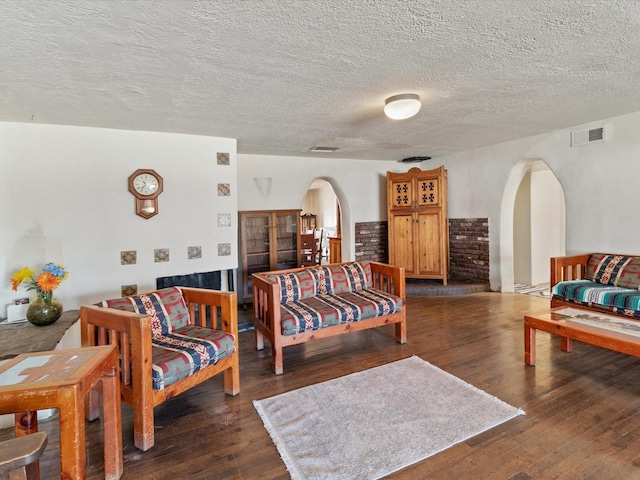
602, 282
294, 306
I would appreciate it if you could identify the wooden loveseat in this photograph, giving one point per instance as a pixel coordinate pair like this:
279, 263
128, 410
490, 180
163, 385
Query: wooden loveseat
169, 340
601, 282
309, 303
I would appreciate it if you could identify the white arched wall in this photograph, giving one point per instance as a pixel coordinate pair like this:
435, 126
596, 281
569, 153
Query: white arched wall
507, 211
321, 200
344, 214
358, 185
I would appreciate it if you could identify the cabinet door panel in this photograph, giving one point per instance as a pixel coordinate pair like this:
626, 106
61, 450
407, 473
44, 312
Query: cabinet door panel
428, 192
429, 259
402, 194
402, 253
286, 242
268, 241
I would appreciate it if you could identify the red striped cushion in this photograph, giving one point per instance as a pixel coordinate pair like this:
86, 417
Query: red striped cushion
165, 307
617, 270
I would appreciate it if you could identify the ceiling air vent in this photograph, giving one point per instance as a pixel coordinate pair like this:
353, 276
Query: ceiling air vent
319, 149
414, 159
584, 137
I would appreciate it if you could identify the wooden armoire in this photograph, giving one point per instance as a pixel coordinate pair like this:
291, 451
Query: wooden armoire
418, 222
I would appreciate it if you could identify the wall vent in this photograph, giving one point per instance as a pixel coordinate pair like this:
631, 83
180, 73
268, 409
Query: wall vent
584, 137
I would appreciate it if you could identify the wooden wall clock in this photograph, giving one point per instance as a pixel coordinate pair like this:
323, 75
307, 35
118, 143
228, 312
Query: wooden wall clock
145, 184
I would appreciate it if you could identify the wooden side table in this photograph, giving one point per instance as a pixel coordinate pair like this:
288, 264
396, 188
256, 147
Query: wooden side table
62, 379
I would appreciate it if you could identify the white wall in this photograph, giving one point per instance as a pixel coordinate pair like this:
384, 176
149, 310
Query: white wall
598, 180
599, 183
327, 208
547, 221
522, 233
64, 198
360, 186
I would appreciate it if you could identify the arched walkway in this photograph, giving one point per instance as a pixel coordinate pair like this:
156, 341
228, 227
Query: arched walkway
345, 226
507, 211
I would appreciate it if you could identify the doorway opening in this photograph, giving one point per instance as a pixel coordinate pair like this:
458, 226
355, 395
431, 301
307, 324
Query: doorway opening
322, 201
533, 225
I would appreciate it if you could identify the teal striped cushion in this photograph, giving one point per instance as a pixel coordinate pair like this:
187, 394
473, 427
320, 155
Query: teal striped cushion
616, 299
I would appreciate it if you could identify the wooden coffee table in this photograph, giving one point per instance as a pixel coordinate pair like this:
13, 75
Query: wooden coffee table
570, 323
62, 379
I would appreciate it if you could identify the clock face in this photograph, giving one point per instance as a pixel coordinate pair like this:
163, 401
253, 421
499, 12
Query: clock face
145, 184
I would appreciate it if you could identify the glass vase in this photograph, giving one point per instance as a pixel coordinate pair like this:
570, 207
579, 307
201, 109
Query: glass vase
41, 313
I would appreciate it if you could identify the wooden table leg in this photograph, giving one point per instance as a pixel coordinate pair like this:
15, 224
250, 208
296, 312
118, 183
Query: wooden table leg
73, 457
112, 426
26, 423
566, 345
529, 344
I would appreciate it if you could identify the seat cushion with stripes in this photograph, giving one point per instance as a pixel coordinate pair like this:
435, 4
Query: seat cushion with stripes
322, 311
624, 301
186, 350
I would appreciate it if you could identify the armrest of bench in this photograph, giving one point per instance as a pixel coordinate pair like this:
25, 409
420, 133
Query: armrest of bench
130, 332
214, 299
389, 278
266, 302
568, 268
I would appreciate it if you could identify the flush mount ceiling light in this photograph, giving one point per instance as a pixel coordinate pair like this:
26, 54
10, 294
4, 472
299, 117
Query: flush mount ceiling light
400, 107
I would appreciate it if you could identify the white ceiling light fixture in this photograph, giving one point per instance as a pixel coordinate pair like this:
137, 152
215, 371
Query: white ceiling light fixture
403, 106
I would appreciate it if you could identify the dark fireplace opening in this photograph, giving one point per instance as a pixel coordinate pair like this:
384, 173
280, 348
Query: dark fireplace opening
208, 280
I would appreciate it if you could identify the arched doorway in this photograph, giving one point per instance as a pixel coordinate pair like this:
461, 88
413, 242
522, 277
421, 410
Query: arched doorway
321, 200
532, 224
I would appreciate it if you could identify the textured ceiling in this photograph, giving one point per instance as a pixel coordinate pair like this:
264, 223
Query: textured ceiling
284, 76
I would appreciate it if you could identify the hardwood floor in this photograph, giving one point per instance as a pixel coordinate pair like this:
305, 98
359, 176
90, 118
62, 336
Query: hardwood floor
582, 408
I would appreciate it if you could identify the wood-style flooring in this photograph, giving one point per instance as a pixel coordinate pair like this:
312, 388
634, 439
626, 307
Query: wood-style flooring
582, 408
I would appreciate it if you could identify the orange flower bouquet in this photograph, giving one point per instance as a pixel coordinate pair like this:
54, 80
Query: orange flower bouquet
44, 284
46, 309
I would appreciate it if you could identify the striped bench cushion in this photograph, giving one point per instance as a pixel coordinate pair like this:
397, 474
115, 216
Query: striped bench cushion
624, 301
321, 311
186, 350
325, 280
617, 270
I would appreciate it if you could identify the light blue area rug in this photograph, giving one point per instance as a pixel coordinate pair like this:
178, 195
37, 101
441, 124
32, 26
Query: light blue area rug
369, 424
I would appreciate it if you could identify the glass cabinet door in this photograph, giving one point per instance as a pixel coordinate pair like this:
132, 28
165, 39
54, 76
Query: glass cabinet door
268, 241
287, 241
257, 247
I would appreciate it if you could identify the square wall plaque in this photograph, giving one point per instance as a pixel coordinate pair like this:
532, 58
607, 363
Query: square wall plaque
224, 219
194, 252
161, 255
224, 190
128, 290
128, 257
224, 249
223, 158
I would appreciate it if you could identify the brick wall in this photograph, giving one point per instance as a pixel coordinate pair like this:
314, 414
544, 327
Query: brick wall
469, 249
468, 246
371, 241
